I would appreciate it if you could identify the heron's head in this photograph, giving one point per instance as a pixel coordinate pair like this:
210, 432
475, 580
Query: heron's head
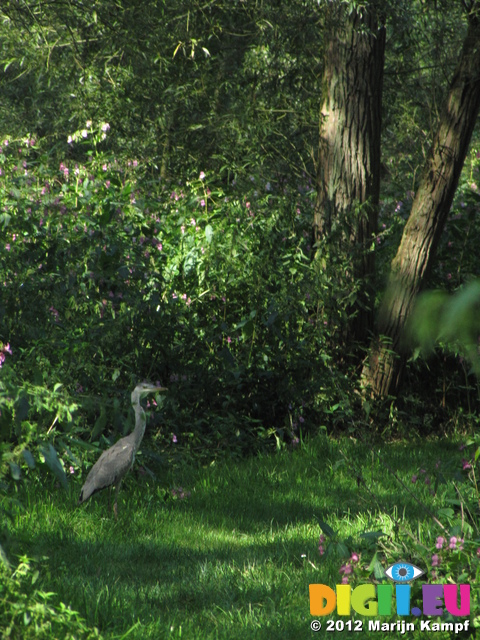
144, 389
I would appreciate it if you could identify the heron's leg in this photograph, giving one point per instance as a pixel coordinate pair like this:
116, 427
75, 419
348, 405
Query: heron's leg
117, 489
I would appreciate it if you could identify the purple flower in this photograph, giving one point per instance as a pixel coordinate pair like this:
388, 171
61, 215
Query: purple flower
174, 438
435, 560
453, 543
466, 464
414, 479
440, 542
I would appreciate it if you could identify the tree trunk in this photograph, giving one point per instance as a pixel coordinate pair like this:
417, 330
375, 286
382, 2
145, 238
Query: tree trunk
348, 180
410, 267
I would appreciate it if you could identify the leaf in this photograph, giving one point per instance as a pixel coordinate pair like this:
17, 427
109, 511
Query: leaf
327, 530
448, 513
3, 557
15, 470
99, 425
190, 262
29, 459
376, 567
209, 233
342, 550
22, 409
53, 463
372, 535
227, 357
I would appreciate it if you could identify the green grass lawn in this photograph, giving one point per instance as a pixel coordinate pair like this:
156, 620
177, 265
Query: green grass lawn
236, 557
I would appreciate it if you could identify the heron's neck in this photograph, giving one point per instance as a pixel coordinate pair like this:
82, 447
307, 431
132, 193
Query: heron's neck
140, 423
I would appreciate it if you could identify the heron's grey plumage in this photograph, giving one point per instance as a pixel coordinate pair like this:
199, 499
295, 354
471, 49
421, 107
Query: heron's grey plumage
114, 463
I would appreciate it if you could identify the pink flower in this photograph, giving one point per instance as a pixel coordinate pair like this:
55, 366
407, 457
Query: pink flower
346, 569
344, 580
202, 175
229, 339
453, 543
466, 464
354, 557
440, 542
174, 438
435, 560
414, 479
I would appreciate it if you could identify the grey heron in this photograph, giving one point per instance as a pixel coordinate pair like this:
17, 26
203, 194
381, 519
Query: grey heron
115, 462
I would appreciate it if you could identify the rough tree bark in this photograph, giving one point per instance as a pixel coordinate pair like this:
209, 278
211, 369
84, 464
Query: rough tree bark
383, 369
348, 179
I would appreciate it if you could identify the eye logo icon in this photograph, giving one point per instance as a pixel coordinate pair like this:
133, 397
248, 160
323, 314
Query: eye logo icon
403, 572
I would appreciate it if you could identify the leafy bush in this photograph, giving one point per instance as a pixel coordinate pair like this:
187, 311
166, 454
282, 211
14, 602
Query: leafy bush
28, 612
110, 275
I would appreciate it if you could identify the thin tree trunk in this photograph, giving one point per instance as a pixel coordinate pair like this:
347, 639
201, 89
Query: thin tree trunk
382, 372
348, 180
